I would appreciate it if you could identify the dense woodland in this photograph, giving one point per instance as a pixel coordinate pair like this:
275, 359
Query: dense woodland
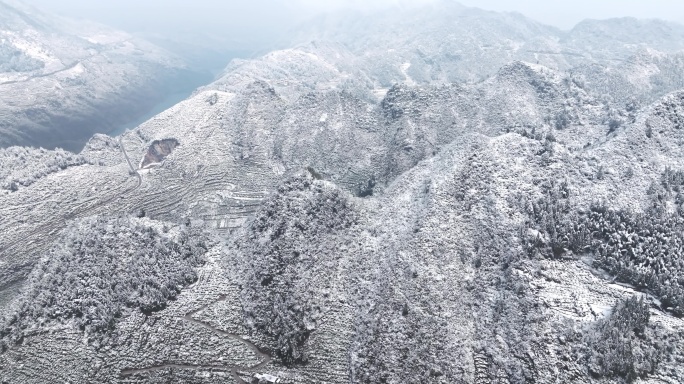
290, 237
622, 344
643, 250
23, 166
101, 269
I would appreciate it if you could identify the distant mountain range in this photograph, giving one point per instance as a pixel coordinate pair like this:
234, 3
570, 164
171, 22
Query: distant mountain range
441, 195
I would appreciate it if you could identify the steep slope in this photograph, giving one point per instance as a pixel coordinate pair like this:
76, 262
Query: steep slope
438, 43
363, 294
615, 38
358, 226
444, 42
62, 81
233, 148
640, 80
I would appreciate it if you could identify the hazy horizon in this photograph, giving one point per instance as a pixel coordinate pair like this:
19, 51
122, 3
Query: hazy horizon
210, 33
215, 15
243, 24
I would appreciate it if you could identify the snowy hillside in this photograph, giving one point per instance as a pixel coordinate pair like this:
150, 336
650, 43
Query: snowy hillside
61, 81
338, 213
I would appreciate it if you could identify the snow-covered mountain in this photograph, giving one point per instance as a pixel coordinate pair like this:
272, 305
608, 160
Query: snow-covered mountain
324, 214
447, 42
61, 80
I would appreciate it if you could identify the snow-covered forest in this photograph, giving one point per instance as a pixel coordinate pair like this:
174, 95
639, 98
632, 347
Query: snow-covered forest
440, 195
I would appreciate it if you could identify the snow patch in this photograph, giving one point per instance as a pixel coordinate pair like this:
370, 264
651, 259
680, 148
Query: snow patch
601, 310
74, 71
404, 67
109, 38
32, 50
380, 93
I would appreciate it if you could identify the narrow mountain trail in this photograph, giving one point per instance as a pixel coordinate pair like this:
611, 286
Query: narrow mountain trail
188, 317
130, 165
38, 76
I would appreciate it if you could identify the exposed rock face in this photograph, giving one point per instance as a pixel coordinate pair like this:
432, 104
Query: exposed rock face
158, 151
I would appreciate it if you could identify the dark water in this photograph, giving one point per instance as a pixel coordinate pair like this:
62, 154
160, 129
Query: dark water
167, 102
72, 129
207, 64
172, 93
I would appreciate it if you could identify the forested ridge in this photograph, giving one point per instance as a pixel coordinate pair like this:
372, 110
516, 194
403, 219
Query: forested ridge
99, 270
441, 195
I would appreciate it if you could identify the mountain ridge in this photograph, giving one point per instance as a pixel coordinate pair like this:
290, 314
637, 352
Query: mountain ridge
365, 223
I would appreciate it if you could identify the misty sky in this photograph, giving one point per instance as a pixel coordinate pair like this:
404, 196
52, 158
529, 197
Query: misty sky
136, 13
243, 23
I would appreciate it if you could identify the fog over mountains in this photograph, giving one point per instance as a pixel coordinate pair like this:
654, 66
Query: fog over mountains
439, 194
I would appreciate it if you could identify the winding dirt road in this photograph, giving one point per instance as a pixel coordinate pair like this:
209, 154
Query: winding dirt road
265, 357
38, 76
